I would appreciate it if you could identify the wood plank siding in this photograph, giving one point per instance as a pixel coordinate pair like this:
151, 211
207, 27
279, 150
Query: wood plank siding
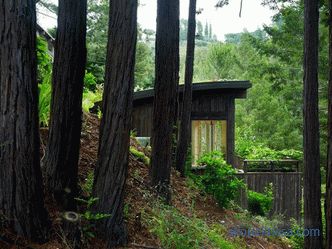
211, 101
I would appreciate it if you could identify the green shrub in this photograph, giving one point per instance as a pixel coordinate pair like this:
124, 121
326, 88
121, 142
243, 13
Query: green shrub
219, 178
260, 203
90, 81
175, 230
90, 98
45, 94
44, 61
297, 239
140, 155
249, 150
91, 95
89, 218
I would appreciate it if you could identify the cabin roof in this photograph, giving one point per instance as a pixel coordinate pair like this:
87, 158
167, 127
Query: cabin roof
45, 34
236, 88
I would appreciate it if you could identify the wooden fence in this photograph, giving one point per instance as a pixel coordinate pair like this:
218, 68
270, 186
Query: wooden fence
287, 187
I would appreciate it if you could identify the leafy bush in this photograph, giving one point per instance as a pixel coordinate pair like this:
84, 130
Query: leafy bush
44, 61
91, 97
252, 150
45, 94
90, 81
260, 203
248, 148
219, 178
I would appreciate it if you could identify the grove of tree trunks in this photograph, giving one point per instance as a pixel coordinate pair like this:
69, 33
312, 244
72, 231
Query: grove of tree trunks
166, 85
62, 154
312, 181
185, 124
112, 165
21, 192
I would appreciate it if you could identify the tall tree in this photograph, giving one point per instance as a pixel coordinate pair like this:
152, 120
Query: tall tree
166, 84
61, 161
328, 203
185, 120
206, 32
312, 181
112, 166
21, 192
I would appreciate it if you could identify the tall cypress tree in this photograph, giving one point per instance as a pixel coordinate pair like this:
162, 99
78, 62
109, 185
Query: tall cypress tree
312, 181
62, 155
112, 166
166, 85
21, 192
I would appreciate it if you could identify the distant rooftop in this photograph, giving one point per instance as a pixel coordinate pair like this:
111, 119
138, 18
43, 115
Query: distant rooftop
201, 87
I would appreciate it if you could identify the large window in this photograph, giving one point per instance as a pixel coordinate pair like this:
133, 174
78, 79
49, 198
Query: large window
207, 136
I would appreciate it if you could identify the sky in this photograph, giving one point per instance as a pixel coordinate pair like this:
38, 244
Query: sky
224, 20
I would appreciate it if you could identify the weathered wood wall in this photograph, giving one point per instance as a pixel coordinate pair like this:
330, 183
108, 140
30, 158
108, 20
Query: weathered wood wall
287, 189
142, 119
206, 106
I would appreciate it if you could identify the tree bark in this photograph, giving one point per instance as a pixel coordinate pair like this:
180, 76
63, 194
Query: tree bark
21, 191
61, 161
112, 166
328, 201
185, 124
312, 181
166, 83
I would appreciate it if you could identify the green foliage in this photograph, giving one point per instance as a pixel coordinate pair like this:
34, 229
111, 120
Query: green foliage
88, 184
140, 155
89, 218
45, 94
297, 240
144, 68
44, 62
260, 203
97, 34
91, 97
219, 178
249, 149
175, 230
90, 81
133, 133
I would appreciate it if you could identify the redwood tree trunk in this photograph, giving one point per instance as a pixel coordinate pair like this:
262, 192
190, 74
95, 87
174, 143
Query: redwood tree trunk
61, 161
312, 181
21, 192
166, 83
185, 121
112, 166
328, 203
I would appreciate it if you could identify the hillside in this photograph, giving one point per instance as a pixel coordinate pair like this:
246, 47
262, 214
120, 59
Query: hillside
193, 221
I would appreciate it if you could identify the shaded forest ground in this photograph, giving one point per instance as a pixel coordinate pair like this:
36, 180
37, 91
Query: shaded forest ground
141, 204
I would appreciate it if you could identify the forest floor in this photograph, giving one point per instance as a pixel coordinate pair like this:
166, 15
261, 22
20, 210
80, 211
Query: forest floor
141, 206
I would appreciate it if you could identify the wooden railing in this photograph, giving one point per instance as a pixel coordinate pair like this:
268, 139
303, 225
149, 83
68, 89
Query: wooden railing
272, 165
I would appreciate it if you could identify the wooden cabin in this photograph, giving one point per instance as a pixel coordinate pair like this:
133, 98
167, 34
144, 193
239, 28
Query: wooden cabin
212, 116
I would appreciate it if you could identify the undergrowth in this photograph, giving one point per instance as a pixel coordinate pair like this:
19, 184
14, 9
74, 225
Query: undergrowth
175, 230
219, 179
